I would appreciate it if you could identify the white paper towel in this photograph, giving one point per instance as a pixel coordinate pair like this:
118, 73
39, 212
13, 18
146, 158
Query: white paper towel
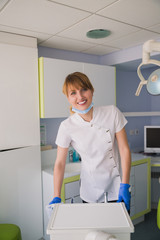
99, 235
49, 210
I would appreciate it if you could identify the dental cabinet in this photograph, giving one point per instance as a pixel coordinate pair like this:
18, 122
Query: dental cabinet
70, 188
140, 181
52, 73
155, 181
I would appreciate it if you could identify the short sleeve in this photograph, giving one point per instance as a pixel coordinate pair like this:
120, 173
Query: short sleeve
120, 120
63, 139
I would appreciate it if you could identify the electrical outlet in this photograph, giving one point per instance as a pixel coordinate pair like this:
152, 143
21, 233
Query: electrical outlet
136, 131
131, 132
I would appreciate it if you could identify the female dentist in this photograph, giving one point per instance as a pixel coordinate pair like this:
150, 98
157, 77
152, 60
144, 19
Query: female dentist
98, 135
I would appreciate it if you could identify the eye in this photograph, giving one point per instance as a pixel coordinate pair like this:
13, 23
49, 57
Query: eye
84, 89
73, 93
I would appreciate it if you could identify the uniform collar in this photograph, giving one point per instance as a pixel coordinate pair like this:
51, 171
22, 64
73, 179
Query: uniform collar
82, 121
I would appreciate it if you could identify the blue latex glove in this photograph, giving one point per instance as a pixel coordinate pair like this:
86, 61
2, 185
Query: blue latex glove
55, 200
124, 195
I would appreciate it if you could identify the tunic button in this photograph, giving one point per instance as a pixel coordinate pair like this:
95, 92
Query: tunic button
107, 130
91, 125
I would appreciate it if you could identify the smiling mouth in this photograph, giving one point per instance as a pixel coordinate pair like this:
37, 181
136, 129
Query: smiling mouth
83, 102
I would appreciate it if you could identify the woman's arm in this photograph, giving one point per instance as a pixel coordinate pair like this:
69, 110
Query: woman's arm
59, 168
124, 154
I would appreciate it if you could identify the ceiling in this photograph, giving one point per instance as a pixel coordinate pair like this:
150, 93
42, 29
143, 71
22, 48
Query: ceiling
63, 24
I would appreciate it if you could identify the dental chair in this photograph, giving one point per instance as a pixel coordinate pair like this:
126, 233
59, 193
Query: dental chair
158, 212
10, 232
158, 215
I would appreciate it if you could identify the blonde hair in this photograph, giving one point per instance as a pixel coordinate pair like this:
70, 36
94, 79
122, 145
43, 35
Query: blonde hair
76, 80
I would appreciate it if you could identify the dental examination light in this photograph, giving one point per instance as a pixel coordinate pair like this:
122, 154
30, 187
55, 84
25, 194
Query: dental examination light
153, 82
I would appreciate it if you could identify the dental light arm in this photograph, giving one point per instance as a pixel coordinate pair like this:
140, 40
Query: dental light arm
148, 47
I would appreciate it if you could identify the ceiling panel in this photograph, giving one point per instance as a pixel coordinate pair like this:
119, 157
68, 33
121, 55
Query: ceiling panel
78, 31
3, 3
133, 39
63, 24
67, 44
87, 5
144, 13
101, 50
40, 36
40, 16
155, 28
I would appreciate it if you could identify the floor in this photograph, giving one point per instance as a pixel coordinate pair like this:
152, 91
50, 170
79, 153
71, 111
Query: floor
148, 229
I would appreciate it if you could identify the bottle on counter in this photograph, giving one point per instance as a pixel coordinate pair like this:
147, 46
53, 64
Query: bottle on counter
75, 156
70, 155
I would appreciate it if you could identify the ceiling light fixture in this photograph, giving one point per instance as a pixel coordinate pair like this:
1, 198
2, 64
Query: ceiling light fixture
98, 33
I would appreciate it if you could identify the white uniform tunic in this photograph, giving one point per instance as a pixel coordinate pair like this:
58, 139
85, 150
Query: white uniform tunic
95, 142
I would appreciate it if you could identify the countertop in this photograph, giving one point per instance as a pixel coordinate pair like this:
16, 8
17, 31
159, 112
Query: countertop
74, 168
71, 169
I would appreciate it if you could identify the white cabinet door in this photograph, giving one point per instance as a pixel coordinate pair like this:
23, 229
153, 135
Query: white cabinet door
55, 72
132, 184
71, 189
103, 80
20, 188
141, 187
72, 192
48, 192
19, 125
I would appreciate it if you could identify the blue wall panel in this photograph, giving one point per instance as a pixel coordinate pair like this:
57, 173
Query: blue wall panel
126, 85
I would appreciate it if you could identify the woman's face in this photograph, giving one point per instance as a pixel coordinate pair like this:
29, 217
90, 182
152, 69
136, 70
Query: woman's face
80, 98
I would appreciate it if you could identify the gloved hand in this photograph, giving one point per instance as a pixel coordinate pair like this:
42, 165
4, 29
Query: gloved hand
55, 200
124, 194
50, 206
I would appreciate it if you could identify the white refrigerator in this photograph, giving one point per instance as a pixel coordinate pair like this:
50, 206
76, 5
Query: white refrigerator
20, 161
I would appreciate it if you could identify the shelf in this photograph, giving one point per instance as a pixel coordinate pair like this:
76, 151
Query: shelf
141, 114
